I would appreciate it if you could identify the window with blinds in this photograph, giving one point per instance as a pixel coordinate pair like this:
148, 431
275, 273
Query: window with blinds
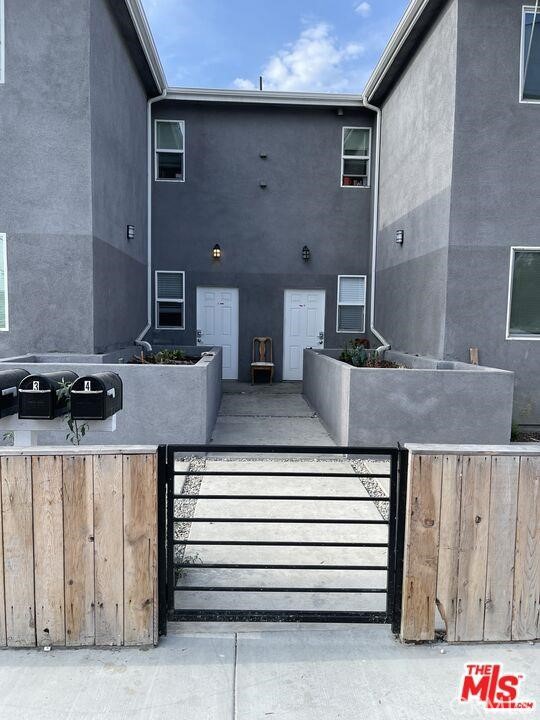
169, 151
530, 55
351, 305
524, 297
3, 284
170, 289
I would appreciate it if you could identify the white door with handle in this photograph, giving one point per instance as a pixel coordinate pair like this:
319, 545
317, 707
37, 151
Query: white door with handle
217, 324
303, 328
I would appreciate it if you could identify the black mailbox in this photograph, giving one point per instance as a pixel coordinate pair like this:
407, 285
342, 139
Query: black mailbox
9, 384
96, 397
40, 396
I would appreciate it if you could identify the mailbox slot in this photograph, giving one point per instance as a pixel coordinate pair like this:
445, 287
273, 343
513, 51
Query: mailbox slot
96, 397
38, 395
9, 386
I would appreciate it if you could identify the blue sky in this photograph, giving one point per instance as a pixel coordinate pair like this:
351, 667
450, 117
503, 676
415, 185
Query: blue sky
297, 45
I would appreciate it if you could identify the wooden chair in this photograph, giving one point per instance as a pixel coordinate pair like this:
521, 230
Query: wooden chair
262, 357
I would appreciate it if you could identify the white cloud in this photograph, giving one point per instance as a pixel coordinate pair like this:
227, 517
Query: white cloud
363, 9
314, 62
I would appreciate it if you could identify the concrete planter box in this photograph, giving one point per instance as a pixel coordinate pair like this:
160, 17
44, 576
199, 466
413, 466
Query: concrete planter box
162, 403
428, 401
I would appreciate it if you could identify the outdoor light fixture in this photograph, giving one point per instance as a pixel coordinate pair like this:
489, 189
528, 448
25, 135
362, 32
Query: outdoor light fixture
130, 232
400, 236
216, 252
306, 253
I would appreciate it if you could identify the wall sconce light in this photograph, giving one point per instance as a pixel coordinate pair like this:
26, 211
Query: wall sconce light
130, 232
400, 235
306, 253
216, 252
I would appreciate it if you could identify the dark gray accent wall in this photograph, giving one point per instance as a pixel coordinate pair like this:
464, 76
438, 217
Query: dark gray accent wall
415, 191
261, 231
119, 183
495, 197
45, 199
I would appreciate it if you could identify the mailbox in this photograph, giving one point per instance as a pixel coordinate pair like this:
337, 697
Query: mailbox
96, 397
9, 384
39, 395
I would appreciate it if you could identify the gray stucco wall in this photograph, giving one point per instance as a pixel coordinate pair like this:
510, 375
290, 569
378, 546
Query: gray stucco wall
416, 177
119, 182
261, 232
45, 200
495, 198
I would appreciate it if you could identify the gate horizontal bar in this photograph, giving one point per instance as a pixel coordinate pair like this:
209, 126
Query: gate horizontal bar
300, 616
317, 521
286, 450
339, 498
252, 566
282, 543
228, 588
263, 473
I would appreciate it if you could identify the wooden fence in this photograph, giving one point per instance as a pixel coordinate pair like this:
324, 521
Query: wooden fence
472, 543
78, 547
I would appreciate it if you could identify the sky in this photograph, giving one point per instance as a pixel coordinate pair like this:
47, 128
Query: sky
296, 45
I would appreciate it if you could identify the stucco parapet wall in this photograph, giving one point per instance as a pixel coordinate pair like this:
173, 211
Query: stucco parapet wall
174, 404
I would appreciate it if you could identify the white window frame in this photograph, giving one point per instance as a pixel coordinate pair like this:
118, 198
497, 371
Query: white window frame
178, 301
355, 157
348, 304
3, 240
525, 9
2, 43
163, 150
513, 250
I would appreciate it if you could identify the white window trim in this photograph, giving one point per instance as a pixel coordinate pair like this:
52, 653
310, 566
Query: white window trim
513, 250
355, 157
3, 240
2, 43
169, 300
162, 150
339, 304
525, 9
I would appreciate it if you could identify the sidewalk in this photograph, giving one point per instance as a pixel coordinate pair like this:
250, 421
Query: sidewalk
335, 673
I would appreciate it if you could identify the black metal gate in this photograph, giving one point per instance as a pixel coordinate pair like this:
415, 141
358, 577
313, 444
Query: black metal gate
181, 524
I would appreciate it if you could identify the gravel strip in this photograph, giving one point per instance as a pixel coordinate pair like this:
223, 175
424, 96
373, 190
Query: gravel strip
186, 508
373, 488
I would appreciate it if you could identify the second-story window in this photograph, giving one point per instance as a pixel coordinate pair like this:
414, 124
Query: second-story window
355, 157
2, 42
170, 155
530, 56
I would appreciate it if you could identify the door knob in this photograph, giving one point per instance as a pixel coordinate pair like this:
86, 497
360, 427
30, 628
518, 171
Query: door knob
321, 337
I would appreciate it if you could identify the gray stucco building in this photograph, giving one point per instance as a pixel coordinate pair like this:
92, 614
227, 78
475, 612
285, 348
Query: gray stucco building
407, 214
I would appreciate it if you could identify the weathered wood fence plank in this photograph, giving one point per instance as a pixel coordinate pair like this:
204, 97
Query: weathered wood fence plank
139, 549
109, 553
18, 551
48, 549
420, 572
501, 548
526, 614
3, 637
79, 550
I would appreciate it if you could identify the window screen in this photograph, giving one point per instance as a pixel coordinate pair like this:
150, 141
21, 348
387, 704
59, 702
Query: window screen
355, 157
170, 150
351, 308
170, 299
530, 62
525, 293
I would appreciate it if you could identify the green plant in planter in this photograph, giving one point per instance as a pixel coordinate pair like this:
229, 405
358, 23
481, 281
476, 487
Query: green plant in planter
356, 355
76, 431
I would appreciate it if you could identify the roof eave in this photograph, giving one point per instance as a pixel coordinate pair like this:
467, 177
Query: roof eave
268, 97
142, 28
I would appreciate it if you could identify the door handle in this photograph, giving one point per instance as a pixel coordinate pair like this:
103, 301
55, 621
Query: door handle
321, 337
199, 336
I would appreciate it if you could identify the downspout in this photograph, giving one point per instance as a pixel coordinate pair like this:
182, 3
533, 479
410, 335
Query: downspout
375, 226
139, 340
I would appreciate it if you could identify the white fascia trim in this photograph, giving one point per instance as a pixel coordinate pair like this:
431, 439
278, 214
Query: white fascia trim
264, 97
140, 22
401, 33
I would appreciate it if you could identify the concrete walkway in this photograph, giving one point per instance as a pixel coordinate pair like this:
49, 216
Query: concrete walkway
267, 415
341, 673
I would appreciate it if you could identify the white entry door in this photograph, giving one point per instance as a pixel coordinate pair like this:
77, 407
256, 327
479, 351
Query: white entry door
217, 324
303, 328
